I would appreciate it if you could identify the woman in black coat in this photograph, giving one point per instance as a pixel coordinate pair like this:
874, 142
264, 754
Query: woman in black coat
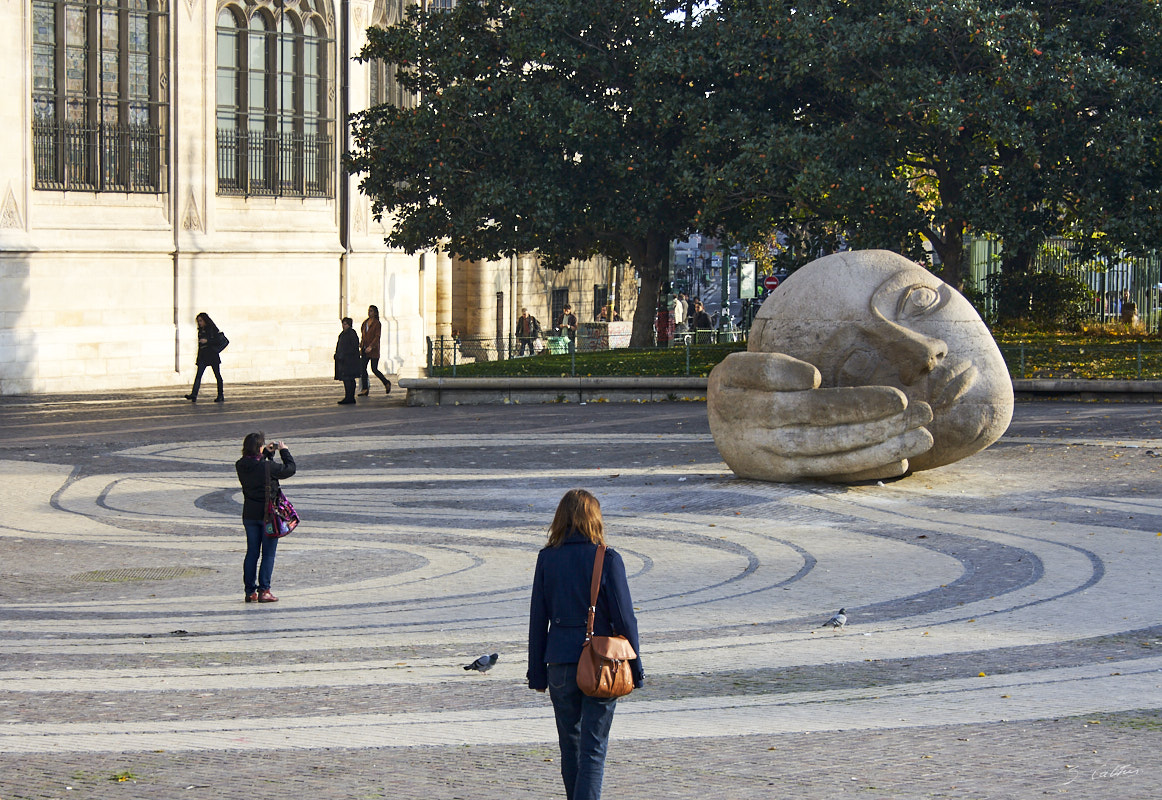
256, 464
348, 361
557, 617
209, 347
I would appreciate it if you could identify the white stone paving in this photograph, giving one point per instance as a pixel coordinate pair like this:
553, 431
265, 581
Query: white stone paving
469, 587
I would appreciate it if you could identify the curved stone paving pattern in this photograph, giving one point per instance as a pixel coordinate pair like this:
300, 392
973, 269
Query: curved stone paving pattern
414, 566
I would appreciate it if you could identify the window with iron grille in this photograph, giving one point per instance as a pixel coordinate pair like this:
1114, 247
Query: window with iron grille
384, 88
600, 300
98, 95
274, 123
557, 302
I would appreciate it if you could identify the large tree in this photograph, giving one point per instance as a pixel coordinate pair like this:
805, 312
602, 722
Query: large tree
546, 127
918, 121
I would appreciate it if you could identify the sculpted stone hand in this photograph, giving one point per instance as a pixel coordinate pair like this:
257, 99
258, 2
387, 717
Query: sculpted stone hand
861, 365
796, 430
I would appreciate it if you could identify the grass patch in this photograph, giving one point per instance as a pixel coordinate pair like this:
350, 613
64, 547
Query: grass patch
1095, 354
606, 363
1088, 355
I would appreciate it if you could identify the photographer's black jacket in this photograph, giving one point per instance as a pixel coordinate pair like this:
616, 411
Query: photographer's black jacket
252, 476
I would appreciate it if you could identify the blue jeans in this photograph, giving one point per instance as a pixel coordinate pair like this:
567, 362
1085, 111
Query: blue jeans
258, 542
583, 724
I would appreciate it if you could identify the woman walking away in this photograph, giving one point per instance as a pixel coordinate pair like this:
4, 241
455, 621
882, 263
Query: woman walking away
347, 361
256, 464
371, 331
209, 348
557, 619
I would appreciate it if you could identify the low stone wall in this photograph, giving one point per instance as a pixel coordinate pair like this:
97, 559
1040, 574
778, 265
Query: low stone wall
1081, 389
503, 391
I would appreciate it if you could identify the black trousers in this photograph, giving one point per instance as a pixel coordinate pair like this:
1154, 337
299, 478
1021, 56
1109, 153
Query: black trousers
374, 362
198, 378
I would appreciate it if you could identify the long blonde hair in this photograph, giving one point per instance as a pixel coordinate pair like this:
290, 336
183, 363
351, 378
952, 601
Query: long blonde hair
578, 510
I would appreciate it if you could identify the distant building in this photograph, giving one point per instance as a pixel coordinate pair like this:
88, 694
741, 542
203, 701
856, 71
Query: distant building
158, 159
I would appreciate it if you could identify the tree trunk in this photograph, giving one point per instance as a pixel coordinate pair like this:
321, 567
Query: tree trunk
1018, 260
953, 269
646, 313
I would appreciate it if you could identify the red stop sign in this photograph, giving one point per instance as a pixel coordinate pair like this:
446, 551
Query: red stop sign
770, 282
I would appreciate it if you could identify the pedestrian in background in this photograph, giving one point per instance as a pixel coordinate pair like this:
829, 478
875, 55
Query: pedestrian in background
700, 320
528, 329
568, 326
557, 617
256, 464
371, 331
209, 355
348, 364
680, 311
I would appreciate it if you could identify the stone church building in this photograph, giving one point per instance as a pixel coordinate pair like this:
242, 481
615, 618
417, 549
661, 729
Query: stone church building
161, 158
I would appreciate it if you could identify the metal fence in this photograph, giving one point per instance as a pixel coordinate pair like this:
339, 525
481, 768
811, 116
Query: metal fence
1106, 276
265, 163
698, 352
1132, 360
97, 157
447, 355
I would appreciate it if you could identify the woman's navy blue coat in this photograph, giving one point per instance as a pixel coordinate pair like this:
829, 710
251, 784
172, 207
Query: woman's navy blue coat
560, 606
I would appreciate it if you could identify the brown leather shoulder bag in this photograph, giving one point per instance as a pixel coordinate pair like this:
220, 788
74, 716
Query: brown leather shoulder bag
603, 670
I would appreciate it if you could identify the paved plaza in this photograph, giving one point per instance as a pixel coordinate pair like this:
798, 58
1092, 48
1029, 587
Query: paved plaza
1004, 638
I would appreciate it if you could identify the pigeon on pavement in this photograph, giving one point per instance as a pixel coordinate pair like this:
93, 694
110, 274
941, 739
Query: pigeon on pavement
838, 620
484, 663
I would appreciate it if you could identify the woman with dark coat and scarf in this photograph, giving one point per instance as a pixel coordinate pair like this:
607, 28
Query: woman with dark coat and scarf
348, 364
209, 347
255, 469
557, 618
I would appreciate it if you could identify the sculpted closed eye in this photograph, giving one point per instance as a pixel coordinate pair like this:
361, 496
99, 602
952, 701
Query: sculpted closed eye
919, 300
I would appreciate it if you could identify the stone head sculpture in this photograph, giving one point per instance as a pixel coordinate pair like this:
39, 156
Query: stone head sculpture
860, 365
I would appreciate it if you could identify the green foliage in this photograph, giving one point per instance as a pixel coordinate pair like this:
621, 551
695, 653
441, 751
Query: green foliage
1045, 301
546, 127
1082, 355
607, 363
1029, 354
896, 121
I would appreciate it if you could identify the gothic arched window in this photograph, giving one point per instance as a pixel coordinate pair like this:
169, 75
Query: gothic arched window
274, 119
98, 95
383, 86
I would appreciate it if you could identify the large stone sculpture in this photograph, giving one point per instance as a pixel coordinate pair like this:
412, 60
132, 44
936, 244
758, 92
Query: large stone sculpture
861, 365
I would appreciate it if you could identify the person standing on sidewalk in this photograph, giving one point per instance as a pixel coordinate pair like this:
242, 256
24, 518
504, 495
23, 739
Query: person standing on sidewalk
371, 331
557, 617
568, 326
528, 329
209, 355
257, 458
347, 361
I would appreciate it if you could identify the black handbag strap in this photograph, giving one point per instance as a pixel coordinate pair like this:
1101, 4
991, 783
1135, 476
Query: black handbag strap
594, 588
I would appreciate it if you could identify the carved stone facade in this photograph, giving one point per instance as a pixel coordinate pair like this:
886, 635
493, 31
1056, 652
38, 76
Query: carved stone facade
112, 241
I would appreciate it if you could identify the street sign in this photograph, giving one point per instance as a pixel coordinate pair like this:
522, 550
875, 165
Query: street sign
746, 275
771, 282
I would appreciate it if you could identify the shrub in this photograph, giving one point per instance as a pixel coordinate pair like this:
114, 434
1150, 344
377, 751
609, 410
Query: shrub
1039, 300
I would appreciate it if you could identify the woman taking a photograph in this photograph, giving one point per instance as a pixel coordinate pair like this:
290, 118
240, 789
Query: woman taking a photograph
256, 463
557, 619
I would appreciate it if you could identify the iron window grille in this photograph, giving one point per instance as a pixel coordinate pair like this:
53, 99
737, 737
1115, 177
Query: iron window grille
99, 95
274, 94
